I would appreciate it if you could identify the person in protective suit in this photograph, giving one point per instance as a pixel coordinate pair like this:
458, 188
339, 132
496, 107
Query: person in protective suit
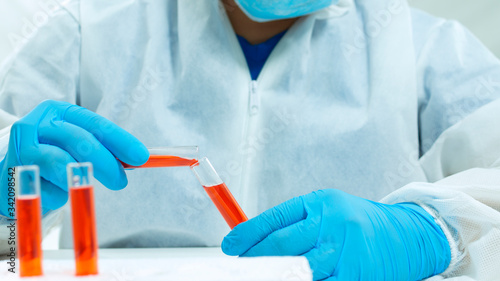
360, 134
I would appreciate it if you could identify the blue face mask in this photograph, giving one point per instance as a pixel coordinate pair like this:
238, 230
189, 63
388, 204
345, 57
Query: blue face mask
268, 10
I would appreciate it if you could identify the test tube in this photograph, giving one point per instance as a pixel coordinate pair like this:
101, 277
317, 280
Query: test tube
174, 156
81, 193
219, 193
29, 221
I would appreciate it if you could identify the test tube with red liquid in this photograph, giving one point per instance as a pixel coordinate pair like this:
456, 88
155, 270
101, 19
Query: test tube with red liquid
219, 193
175, 156
81, 193
29, 221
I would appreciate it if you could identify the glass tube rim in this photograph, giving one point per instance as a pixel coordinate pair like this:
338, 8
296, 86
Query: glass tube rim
205, 172
89, 176
24, 168
188, 151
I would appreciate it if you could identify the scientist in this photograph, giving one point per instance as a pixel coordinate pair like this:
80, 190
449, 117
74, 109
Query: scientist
370, 126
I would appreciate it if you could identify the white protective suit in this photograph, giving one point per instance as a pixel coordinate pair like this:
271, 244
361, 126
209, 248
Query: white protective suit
370, 97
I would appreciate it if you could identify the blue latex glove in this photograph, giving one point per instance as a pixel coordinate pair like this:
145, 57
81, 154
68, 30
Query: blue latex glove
345, 237
57, 133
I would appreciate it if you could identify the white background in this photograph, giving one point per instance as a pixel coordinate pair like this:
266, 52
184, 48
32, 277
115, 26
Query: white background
481, 16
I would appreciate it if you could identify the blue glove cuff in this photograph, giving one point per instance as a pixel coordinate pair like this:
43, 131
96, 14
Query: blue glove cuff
432, 243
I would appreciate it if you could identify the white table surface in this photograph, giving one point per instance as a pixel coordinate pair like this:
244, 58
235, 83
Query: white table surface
140, 253
165, 264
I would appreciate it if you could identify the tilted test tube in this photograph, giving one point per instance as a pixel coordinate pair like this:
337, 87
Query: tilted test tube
219, 193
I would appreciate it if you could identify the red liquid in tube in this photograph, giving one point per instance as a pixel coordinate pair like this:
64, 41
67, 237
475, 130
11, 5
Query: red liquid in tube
84, 229
157, 161
226, 204
29, 231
